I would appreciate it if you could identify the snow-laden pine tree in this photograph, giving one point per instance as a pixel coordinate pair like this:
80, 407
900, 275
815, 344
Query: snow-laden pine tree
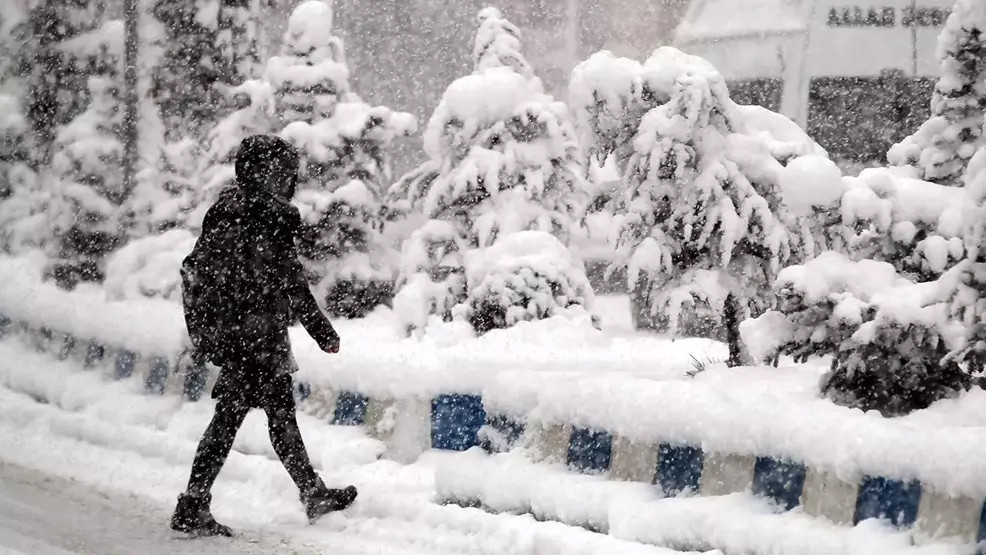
344, 145
965, 285
940, 149
503, 159
227, 44
241, 41
183, 81
85, 211
309, 75
55, 73
706, 228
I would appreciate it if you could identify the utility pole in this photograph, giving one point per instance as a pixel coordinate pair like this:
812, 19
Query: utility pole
130, 97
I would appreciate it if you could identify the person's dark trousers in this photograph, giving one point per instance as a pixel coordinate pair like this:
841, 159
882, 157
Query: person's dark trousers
285, 436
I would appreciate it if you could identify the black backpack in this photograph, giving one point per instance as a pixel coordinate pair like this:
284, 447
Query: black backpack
215, 280
201, 306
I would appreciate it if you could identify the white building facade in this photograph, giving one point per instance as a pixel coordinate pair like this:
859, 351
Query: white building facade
815, 60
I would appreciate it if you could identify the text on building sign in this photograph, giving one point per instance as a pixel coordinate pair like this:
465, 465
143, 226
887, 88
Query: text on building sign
856, 16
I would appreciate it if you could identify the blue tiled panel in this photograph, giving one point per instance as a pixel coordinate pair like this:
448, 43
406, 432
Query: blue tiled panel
94, 354
67, 347
196, 376
507, 428
894, 500
157, 376
679, 468
456, 420
350, 409
124, 367
780, 481
6, 325
590, 450
301, 391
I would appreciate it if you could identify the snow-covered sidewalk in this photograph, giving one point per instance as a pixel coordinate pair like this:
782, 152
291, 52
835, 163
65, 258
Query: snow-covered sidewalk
41, 514
64, 422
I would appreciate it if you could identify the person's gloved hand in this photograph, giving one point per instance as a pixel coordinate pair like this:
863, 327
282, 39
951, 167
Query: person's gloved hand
332, 347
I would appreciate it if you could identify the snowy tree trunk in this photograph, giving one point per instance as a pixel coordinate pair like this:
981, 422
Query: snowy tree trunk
731, 319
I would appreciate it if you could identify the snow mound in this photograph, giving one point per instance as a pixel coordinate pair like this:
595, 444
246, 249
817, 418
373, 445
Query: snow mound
149, 267
477, 101
811, 181
310, 25
528, 275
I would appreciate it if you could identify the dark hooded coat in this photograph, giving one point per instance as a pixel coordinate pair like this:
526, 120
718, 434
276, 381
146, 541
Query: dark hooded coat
246, 265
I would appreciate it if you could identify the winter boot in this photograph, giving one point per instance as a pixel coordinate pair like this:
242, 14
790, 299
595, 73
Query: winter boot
321, 500
192, 516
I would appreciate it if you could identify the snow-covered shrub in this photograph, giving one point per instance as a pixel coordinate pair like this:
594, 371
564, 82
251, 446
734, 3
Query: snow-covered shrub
965, 285
149, 267
85, 211
705, 228
915, 225
56, 66
503, 159
940, 149
432, 279
343, 144
888, 337
527, 275
606, 95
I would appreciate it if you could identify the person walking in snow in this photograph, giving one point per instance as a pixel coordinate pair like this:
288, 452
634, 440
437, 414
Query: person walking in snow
242, 285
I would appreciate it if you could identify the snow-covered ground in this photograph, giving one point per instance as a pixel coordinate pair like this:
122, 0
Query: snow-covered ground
104, 464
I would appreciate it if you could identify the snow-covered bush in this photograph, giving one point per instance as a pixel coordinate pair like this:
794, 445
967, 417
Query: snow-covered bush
85, 212
706, 228
527, 275
915, 225
888, 336
149, 267
965, 285
55, 68
343, 144
432, 280
940, 149
503, 159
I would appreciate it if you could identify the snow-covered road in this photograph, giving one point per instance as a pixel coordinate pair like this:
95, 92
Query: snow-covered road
92, 466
